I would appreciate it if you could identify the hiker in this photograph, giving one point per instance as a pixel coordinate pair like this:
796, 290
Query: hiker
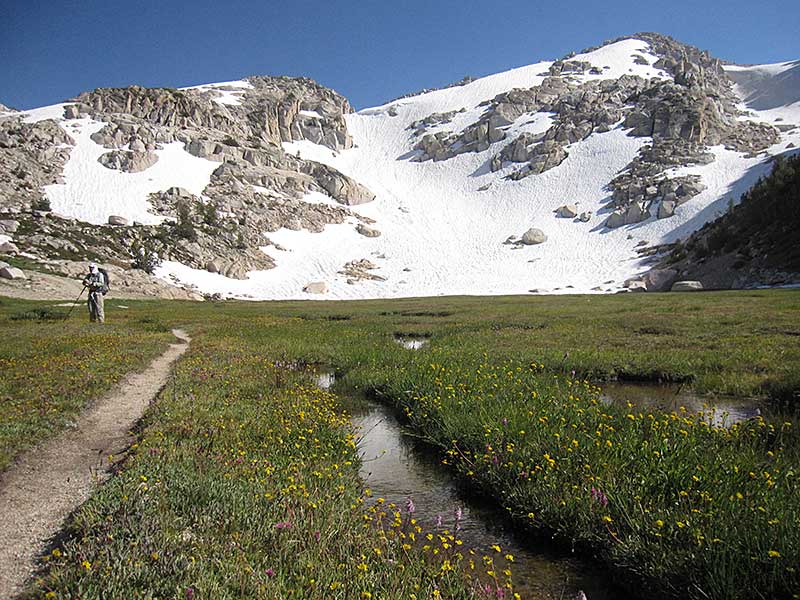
95, 282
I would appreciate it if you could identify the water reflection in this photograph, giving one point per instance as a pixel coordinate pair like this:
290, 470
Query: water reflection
720, 411
324, 379
397, 470
411, 343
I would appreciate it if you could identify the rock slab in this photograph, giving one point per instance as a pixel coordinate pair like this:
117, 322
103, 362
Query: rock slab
687, 286
12, 273
316, 287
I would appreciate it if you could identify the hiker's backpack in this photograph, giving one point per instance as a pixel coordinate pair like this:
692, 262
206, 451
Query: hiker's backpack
106, 281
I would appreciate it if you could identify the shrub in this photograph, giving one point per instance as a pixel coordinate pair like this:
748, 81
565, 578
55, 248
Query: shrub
145, 256
184, 228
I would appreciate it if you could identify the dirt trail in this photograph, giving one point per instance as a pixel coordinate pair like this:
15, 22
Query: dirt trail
46, 484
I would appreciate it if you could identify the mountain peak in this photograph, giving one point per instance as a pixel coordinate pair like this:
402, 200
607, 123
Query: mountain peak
271, 187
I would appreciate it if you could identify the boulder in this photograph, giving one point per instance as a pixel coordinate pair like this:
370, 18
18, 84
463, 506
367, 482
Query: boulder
9, 225
659, 280
8, 248
636, 213
212, 267
367, 231
72, 112
636, 285
585, 216
137, 145
567, 211
615, 219
12, 273
690, 188
117, 220
129, 162
666, 209
533, 236
686, 286
316, 287
344, 189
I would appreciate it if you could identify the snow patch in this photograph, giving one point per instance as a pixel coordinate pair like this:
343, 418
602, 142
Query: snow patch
55, 112
771, 91
92, 192
222, 95
311, 114
619, 58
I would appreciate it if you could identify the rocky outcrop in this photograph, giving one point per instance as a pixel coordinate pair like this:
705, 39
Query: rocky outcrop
367, 231
421, 126
129, 162
297, 108
360, 270
257, 187
164, 107
136, 135
271, 169
32, 155
684, 114
580, 110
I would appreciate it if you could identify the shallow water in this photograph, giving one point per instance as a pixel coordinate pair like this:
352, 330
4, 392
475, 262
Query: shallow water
396, 470
721, 411
411, 343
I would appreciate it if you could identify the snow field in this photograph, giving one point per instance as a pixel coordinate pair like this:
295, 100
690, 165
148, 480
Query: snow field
443, 224
92, 192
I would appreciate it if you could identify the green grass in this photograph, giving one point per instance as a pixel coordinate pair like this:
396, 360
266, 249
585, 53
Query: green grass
245, 485
679, 507
51, 369
673, 506
28, 264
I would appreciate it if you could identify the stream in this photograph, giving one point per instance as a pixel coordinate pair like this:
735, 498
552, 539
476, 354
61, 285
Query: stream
396, 469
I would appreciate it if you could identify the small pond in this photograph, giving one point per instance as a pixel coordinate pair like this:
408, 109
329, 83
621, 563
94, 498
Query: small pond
411, 342
721, 411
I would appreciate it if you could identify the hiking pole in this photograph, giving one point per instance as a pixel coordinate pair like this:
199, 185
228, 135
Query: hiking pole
74, 304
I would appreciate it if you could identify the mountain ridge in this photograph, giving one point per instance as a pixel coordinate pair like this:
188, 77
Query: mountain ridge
631, 143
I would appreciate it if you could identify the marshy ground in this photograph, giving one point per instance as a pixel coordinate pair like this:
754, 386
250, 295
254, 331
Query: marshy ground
244, 479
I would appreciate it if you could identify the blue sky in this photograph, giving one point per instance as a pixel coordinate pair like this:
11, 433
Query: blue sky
369, 51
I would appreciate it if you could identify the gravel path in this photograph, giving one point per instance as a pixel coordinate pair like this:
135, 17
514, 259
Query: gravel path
46, 484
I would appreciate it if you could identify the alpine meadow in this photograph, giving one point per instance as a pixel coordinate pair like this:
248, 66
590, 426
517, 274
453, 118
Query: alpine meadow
532, 335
